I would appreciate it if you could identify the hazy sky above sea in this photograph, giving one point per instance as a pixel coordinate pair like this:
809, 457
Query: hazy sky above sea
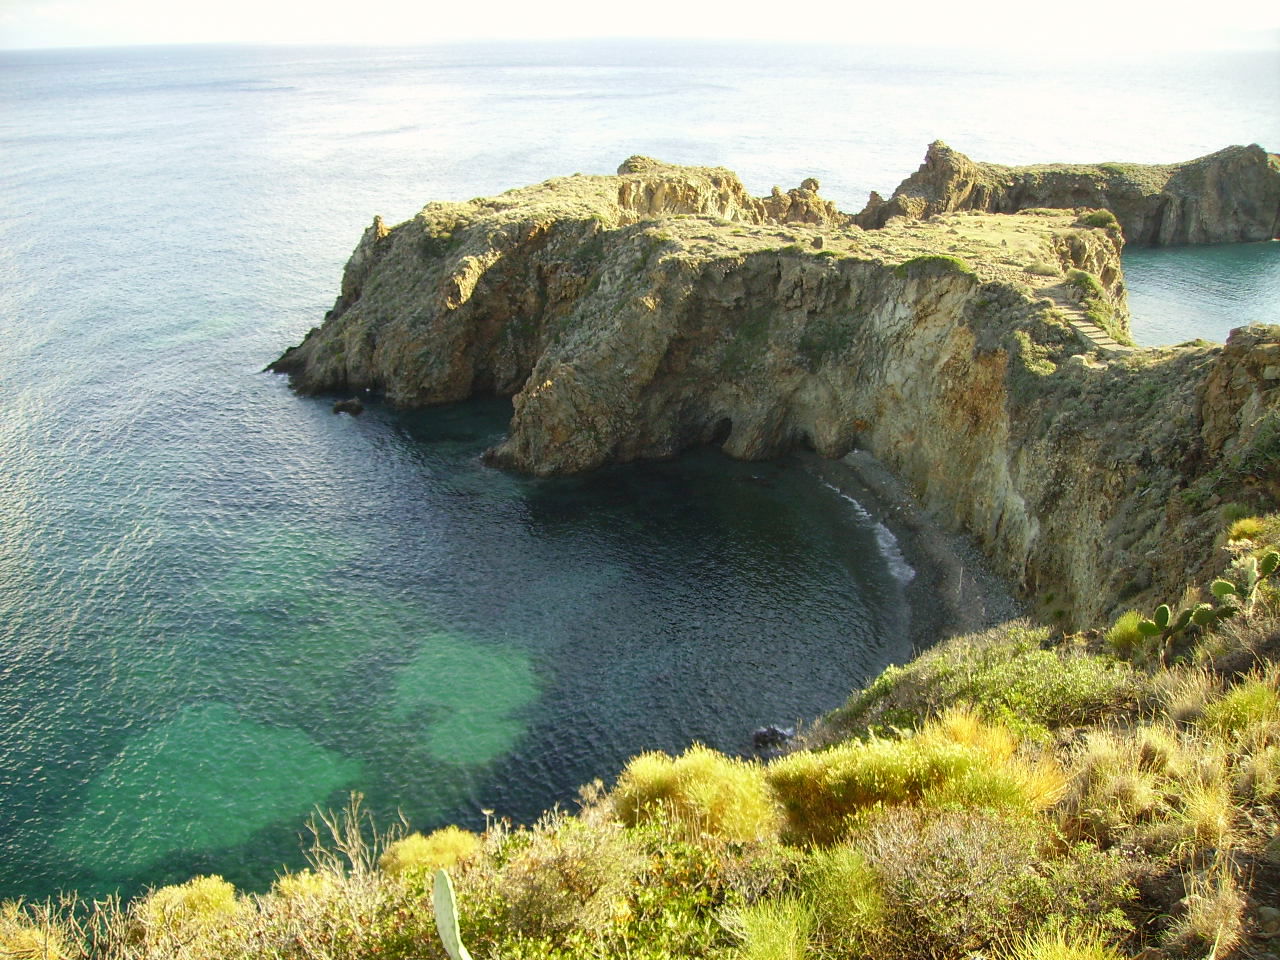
1082, 27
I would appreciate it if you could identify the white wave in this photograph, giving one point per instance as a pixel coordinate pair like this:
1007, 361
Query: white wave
888, 544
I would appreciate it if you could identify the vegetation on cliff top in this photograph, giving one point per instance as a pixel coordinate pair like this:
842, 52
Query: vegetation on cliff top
1014, 794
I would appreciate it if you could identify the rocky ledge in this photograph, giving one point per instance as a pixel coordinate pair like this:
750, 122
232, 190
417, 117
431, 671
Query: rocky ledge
636, 315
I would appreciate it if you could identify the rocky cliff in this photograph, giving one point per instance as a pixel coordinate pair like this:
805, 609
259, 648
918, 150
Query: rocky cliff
1229, 196
637, 315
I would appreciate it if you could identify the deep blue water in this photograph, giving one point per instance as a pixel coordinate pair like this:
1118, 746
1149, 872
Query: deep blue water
221, 605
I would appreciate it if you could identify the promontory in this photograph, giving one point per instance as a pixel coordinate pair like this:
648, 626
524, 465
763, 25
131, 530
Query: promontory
972, 332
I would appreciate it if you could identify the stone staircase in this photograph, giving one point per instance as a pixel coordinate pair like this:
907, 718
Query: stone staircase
1088, 331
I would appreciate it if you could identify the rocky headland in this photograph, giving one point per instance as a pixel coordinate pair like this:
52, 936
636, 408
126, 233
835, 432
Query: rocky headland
1226, 197
981, 356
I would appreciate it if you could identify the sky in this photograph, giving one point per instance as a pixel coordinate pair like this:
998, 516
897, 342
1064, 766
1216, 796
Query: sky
1056, 28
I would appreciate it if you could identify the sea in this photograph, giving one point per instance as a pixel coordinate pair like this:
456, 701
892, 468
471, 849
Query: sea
224, 608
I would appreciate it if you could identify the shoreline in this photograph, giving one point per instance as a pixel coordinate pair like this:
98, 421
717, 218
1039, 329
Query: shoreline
953, 591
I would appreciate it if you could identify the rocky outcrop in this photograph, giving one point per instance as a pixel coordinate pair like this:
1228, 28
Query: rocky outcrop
1229, 196
638, 315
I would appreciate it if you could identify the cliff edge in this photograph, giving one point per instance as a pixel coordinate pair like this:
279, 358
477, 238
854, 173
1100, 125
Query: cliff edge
637, 315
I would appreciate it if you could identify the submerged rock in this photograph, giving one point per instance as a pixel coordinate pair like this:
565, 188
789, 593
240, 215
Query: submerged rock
636, 315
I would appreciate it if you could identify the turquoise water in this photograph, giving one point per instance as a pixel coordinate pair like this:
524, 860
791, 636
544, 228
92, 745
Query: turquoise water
222, 605
1184, 293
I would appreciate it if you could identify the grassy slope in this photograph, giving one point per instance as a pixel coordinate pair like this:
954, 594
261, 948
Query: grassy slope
1013, 794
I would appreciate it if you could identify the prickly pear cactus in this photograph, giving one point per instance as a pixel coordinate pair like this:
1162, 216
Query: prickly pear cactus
446, 911
1267, 565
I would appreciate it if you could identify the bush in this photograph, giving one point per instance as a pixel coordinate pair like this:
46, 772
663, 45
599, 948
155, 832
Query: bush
1007, 672
563, 878
771, 929
22, 937
1054, 943
704, 790
1085, 282
1099, 218
197, 914
1214, 913
955, 761
955, 884
932, 265
1258, 775
1112, 790
414, 856
1124, 638
305, 885
1042, 268
847, 902
1254, 701
1245, 528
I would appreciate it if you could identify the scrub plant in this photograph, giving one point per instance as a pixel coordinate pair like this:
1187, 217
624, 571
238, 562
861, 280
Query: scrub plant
771, 929
704, 790
415, 855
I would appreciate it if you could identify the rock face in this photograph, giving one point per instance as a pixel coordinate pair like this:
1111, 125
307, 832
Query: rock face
638, 315
1229, 196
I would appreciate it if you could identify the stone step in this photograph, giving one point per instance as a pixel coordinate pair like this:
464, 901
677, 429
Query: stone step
1098, 337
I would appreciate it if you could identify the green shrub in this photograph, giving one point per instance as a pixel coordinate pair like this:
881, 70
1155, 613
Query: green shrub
1085, 282
847, 902
1231, 512
1245, 528
932, 265
1099, 218
415, 855
1252, 701
704, 790
197, 914
1052, 942
1124, 638
564, 878
957, 884
1007, 672
305, 885
23, 937
1042, 268
823, 792
771, 929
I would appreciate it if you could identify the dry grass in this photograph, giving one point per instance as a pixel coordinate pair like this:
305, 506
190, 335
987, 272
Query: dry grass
1182, 693
1212, 921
